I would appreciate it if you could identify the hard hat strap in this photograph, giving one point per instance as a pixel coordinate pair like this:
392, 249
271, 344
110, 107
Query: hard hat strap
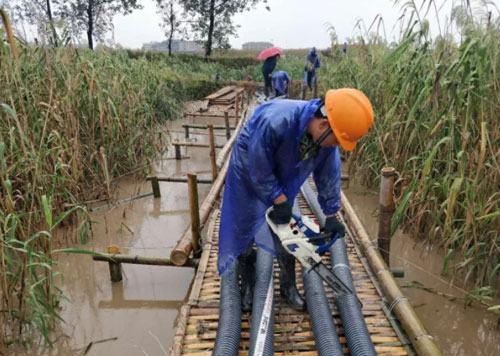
312, 149
323, 136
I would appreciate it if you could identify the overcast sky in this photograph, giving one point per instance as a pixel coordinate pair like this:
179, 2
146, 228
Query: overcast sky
289, 24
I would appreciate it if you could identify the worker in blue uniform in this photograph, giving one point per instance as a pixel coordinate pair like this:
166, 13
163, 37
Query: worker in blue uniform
281, 81
279, 147
312, 63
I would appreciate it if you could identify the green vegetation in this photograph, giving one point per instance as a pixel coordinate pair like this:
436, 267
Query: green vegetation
436, 106
70, 122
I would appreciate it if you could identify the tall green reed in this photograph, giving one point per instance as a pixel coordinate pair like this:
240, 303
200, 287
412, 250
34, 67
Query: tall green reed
436, 103
70, 121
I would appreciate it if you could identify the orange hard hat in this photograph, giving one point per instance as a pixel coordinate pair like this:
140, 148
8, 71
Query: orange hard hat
350, 115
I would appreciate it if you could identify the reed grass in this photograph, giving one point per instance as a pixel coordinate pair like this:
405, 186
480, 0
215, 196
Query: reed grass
436, 103
70, 121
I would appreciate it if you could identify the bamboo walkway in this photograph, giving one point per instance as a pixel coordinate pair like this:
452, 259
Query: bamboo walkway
198, 319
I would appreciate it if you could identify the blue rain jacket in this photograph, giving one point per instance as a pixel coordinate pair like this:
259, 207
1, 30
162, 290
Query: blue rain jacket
279, 79
264, 164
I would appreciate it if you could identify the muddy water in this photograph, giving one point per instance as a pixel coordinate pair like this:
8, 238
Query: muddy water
459, 331
137, 316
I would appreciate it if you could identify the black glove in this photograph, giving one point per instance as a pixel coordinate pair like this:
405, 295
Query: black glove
333, 225
282, 213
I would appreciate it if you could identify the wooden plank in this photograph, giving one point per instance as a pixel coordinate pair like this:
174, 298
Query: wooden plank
202, 267
220, 92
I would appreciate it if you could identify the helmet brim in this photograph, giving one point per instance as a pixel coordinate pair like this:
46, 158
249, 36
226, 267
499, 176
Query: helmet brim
345, 144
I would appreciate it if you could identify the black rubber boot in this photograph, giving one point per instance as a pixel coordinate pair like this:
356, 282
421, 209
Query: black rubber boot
247, 273
288, 286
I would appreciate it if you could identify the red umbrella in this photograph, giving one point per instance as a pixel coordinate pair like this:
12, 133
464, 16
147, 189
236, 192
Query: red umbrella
269, 52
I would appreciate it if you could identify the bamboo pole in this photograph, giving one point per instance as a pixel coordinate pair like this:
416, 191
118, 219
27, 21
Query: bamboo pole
194, 208
212, 152
387, 207
228, 128
195, 114
421, 340
179, 180
117, 258
194, 144
180, 254
204, 127
180, 330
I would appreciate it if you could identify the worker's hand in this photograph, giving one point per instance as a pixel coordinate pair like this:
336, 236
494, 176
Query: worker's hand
281, 213
333, 225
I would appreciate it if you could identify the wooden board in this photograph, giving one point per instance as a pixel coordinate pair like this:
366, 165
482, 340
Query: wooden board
220, 92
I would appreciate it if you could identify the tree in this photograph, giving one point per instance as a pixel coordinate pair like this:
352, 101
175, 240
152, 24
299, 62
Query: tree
212, 19
171, 22
94, 16
39, 13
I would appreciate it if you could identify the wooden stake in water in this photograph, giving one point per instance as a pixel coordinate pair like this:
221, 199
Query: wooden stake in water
115, 269
212, 151
156, 187
177, 151
194, 208
387, 207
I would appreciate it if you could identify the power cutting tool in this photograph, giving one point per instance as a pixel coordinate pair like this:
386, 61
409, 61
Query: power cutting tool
302, 238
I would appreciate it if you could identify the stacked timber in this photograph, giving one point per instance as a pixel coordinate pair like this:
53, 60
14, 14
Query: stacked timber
224, 96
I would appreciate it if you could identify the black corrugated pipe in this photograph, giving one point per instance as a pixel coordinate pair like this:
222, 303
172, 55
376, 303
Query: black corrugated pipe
324, 329
262, 327
227, 341
353, 322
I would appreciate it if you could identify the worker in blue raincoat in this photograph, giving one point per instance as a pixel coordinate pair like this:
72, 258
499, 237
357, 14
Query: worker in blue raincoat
312, 63
267, 70
281, 81
280, 146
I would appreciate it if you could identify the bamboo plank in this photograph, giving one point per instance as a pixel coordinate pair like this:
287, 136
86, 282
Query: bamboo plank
220, 92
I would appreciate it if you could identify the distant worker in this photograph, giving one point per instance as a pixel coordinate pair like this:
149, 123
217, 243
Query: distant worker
312, 63
344, 49
281, 145
281, 81
267, 70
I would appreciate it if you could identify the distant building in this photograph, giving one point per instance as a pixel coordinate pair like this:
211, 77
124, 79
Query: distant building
256, 46
178, 46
